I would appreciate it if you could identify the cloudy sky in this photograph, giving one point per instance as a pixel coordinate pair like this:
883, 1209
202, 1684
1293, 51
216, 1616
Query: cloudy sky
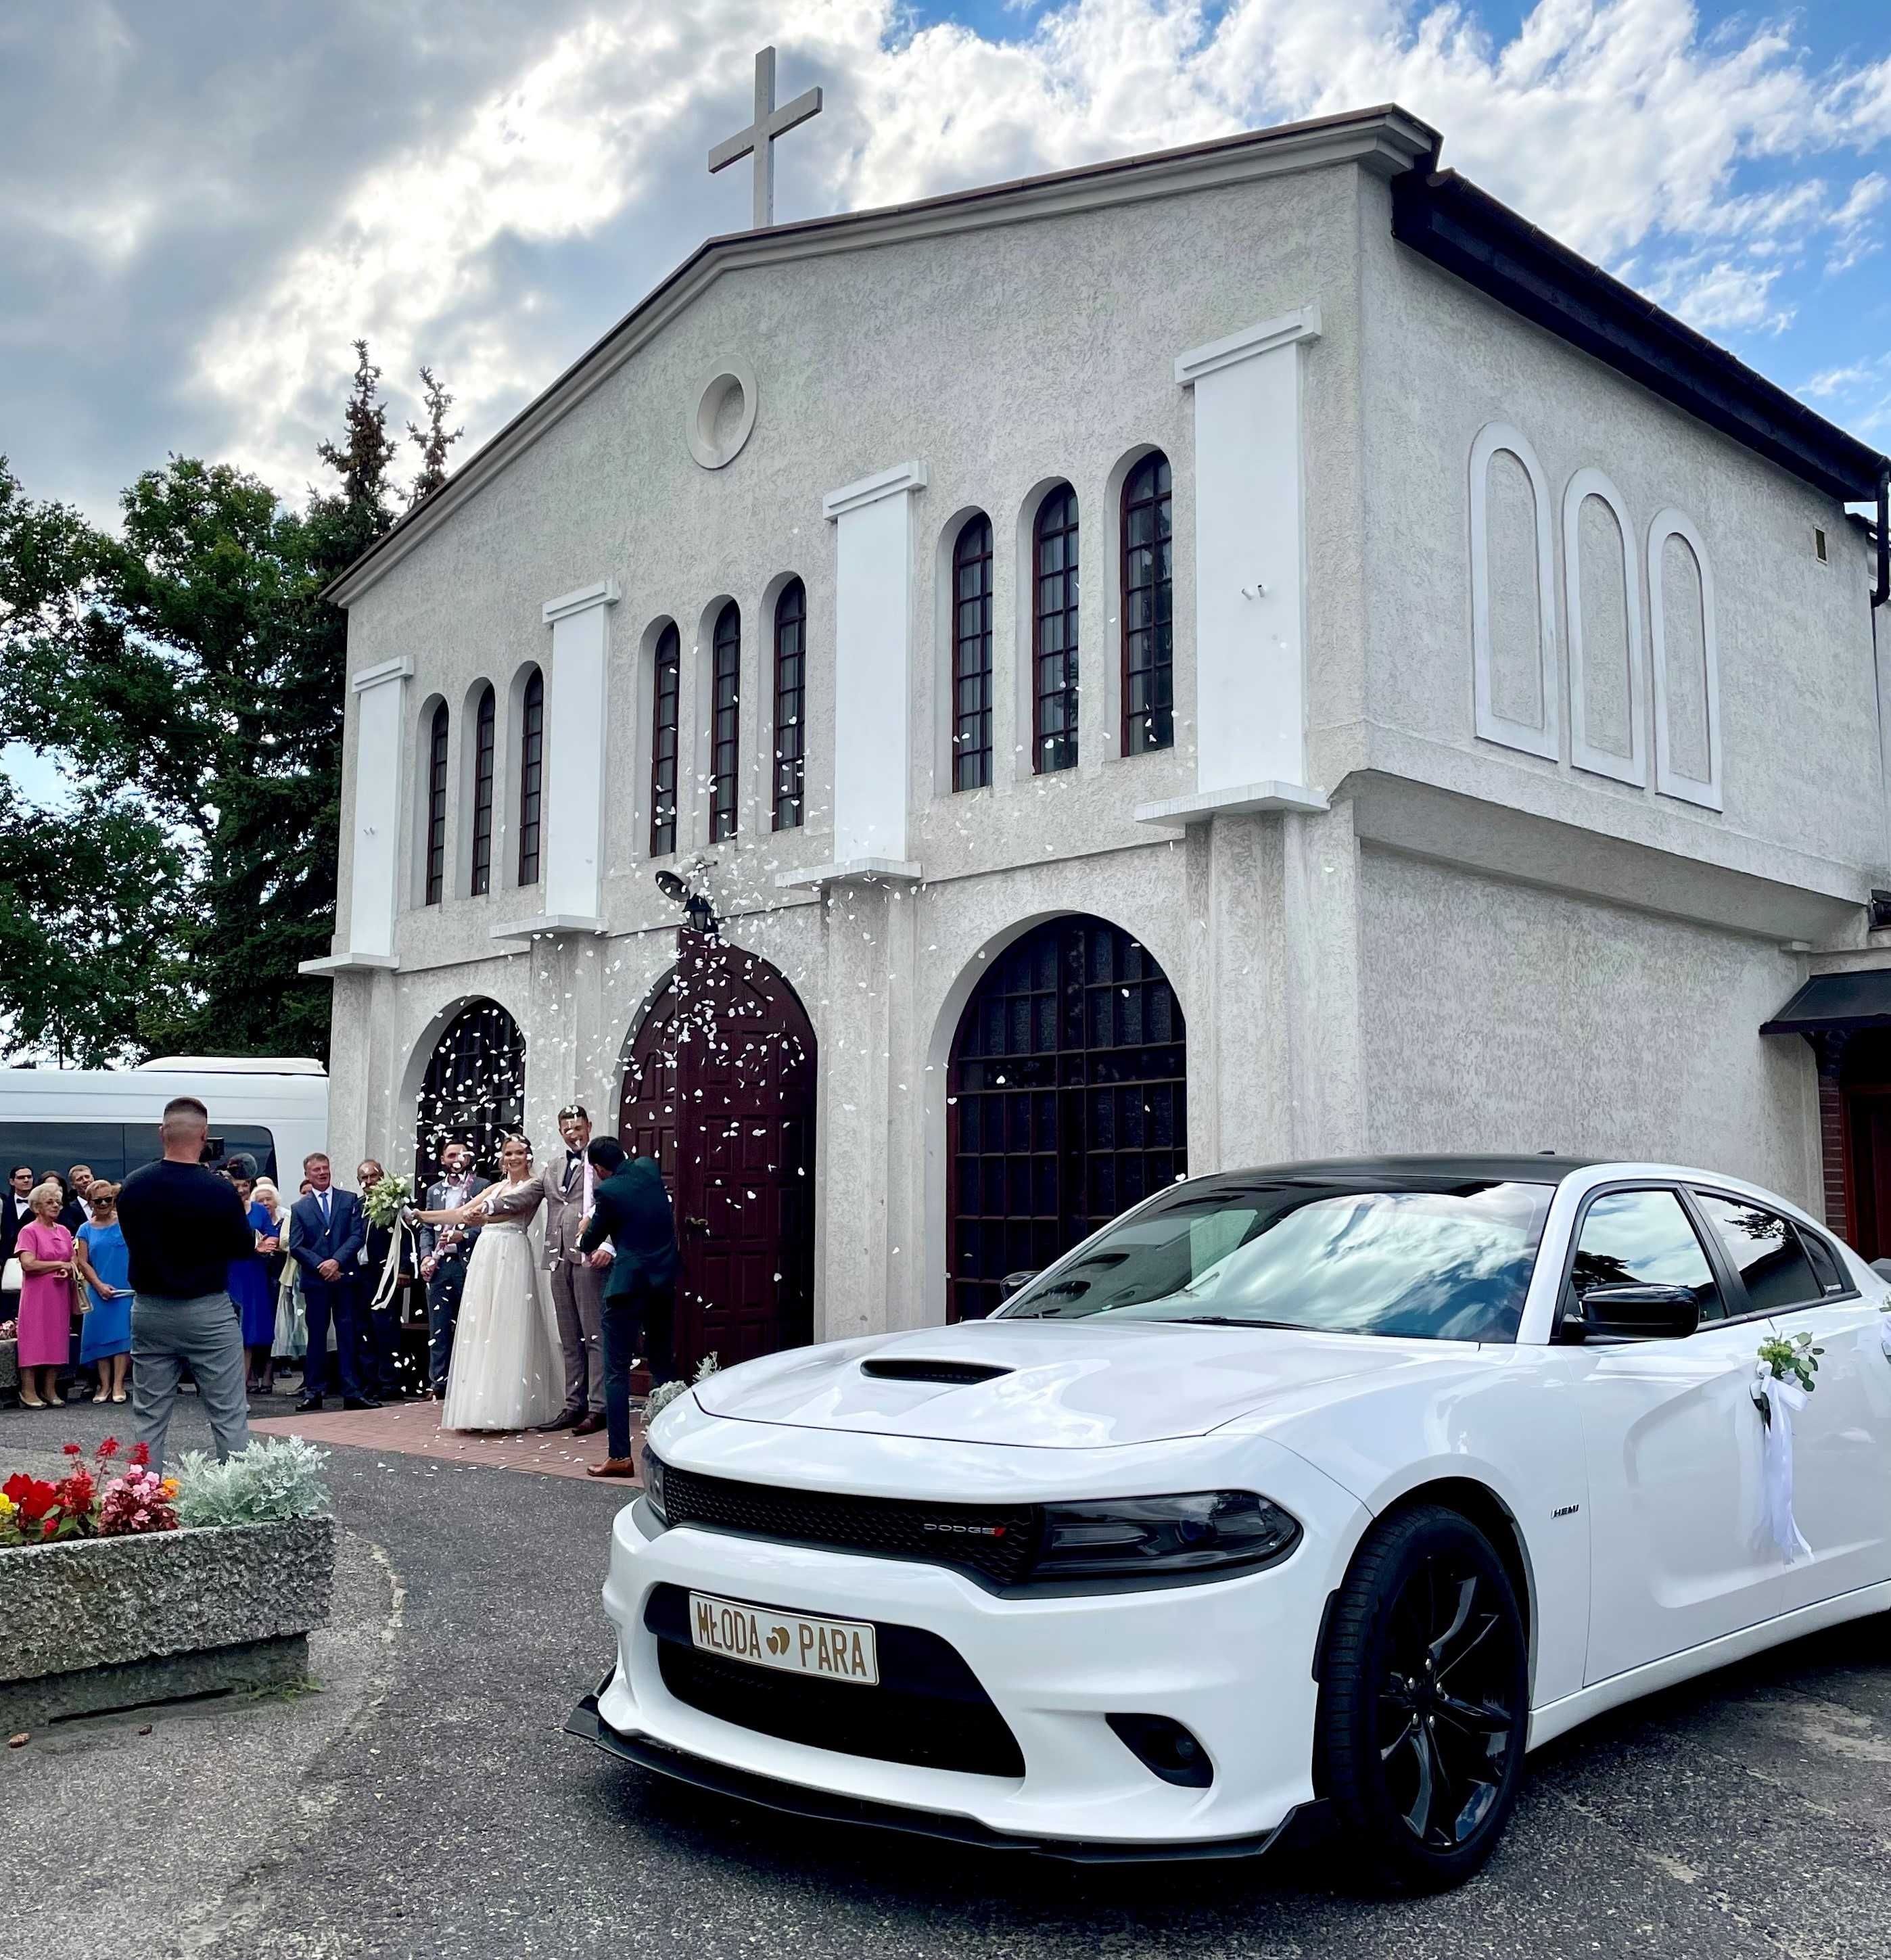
202, 201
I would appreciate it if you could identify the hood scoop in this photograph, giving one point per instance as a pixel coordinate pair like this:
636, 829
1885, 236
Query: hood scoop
951, 1374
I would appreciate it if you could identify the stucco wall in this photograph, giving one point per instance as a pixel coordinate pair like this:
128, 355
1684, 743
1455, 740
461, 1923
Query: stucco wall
1798, 708
1500, 1017
1004, 360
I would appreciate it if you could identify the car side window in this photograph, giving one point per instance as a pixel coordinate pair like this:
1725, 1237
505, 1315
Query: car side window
1830, 1274
1644, 1238
1766, 1250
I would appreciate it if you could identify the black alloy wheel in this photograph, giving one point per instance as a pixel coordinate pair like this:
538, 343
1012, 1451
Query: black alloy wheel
1424, 1700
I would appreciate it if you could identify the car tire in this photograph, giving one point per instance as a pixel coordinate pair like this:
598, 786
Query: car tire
1424, 1701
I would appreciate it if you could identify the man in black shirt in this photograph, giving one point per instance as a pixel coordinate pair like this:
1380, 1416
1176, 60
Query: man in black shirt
183, 1225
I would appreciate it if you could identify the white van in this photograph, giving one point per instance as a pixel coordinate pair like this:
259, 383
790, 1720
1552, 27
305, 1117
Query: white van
274, 1112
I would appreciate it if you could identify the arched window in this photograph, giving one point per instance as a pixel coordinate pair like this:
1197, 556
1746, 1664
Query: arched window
1148, 629
666, 688
437, 806
725, 690
531, 776
972, 655
791, 703
485, 743
474, 1091
1054, 635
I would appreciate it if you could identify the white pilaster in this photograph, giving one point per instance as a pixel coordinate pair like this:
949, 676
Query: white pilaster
380, 754
1250, 573
873, 662
576, 717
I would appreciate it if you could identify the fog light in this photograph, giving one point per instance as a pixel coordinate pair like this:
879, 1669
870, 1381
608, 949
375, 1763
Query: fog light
1162, 1746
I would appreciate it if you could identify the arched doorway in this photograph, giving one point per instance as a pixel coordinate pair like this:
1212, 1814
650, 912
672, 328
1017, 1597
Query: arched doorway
1066, 1102
474, 1090
720, 1088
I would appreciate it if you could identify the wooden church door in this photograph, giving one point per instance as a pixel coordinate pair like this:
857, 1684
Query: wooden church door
720, 1088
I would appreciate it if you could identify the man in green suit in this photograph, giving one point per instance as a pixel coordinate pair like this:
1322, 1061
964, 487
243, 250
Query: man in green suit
631, 1209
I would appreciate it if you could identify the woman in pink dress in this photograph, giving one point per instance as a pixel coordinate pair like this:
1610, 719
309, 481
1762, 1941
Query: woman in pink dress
45, 1250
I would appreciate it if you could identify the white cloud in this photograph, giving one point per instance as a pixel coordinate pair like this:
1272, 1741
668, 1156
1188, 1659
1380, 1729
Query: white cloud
1621, 126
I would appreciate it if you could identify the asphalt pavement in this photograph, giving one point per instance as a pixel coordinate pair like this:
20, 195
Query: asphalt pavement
424, 1802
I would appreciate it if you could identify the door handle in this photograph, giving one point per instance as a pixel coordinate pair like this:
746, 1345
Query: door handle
695, 1225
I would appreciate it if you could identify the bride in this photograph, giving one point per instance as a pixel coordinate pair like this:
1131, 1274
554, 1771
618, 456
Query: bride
507, 1372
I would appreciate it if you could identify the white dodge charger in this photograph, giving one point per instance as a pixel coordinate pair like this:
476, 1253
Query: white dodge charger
1335, 1485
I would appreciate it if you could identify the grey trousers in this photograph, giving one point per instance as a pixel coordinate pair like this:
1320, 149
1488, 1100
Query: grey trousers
578, 1293
206, 1332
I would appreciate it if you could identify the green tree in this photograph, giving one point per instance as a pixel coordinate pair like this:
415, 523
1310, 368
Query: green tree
434, 441
190, 676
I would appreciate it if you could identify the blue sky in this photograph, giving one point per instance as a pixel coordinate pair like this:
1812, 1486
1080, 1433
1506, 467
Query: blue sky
202, 204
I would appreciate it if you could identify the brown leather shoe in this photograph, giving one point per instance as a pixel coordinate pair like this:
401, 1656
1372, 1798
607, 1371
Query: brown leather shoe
588, 1425
612, 1466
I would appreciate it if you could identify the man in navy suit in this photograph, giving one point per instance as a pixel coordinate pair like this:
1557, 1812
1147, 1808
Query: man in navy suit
327, 1229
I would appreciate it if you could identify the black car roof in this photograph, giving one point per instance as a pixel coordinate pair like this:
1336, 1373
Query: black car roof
1547, 1168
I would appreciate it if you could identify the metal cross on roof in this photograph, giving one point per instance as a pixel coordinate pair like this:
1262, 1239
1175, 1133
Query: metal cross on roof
760, 136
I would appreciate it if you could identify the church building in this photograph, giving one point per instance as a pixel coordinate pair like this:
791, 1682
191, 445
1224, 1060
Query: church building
949, 717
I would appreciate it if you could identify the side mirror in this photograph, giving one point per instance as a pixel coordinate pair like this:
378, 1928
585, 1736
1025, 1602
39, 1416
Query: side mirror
1014, 1283
1635, 1312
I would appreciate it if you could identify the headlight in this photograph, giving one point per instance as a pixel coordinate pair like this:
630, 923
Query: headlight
1132, 1538
653, 1485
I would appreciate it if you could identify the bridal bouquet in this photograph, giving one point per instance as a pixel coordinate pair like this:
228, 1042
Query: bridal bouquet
385, 1203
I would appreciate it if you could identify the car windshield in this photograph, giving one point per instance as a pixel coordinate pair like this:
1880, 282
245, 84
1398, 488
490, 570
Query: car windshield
1439, 1262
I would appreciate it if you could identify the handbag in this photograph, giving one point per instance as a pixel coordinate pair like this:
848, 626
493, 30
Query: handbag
12, 1278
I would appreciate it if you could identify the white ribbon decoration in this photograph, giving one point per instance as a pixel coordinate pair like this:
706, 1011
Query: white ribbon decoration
390, 1267
1884, 1332
1777, 1400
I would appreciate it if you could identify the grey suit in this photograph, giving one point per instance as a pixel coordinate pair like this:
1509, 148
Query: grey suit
577, 1291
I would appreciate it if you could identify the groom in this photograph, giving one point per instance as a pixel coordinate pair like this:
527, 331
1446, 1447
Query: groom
577, 1288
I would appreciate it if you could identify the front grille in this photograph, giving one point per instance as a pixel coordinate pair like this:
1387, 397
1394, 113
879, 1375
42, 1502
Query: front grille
995, 1541
929, 1709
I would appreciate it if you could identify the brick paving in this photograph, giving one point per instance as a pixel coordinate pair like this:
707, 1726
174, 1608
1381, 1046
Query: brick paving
412, 1429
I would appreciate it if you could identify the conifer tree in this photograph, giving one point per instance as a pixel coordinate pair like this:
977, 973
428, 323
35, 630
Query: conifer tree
434, 441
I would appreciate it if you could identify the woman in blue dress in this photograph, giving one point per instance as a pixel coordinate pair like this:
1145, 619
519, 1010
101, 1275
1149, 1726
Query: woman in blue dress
249, 1286
104, 1263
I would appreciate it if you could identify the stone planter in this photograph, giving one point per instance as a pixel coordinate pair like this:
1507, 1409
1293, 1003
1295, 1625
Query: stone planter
9, 1370
94, 1625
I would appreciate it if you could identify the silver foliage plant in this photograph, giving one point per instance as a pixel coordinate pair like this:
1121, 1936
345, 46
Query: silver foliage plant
661, 1397
277, 1478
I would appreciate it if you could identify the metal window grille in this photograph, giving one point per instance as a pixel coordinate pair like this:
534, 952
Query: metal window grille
1054, 635
437, 806
1148, 628
725, 676
486, 742
531, 777
665, 690
790, 701
971, 656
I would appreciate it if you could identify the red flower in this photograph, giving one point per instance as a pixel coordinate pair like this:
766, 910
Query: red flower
109, 1449
33, 1498
141, 1454
72, 1449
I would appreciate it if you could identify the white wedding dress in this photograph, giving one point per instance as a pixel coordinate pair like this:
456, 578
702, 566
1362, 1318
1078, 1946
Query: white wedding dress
507, 1370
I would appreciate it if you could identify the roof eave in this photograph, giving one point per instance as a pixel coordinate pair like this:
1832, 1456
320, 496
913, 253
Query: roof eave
1449, 221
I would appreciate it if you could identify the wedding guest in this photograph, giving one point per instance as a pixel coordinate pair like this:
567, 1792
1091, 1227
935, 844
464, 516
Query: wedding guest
381, 1325
250, 1287
104, 1263
271, 1228
327, 1229
184, 1225
631, 1209
444, 1250
44, 1249
78, 1181
576, 1287
13, 1214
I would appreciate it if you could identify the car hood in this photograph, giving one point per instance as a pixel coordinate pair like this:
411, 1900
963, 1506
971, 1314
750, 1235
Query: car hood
1063, 1385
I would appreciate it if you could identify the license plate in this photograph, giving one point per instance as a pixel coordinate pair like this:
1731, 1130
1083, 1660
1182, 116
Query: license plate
791, 1642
